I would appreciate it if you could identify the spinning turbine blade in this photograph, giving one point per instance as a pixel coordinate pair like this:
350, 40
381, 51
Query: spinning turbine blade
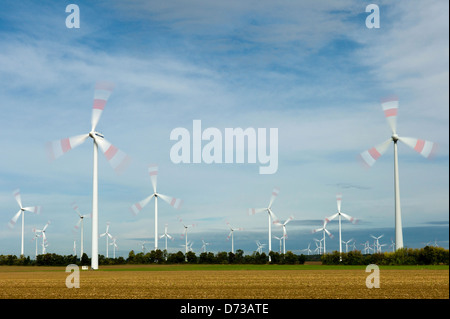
13, 220
172, 201
274, 195
102, 93
425, 148
390, 109
369, 157
349, 218
136, 208
16, 194
58, 148
253, 211
153, 172
116, 158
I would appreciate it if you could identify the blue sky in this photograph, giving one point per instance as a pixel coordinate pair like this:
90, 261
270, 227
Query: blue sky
311, 69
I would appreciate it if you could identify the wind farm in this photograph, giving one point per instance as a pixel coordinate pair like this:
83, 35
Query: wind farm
245, 125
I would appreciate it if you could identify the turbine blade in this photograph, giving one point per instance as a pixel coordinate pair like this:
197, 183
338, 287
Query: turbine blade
118, 160
16, 194
33, 209
328, 233
275, 192
13, 220
425, 148
253, 211
390, 108
288, 220
153, 172
275, 219
172, 201
348, 217
102, 93
77, 225
369, 157
136, 208
339, 200
331, 217
75, 207
56, 149
45, 227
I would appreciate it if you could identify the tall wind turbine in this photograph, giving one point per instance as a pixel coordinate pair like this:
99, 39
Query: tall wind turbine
232, 237
166, 235
324, 230
284, 231
80, 224
268, 209
22, 210
346, 244
107, 235
425, 148
339, 214
174, 202
116, 158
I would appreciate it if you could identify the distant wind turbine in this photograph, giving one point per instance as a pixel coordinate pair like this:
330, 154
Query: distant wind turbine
116, 158
284, 231
80, 223
107, 234
32, 209
268, 209
232, 236
174, 202
339, 214
166, 235
425, 148
324, 230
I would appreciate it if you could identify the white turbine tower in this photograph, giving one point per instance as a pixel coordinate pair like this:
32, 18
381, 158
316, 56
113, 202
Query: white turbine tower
166, 235
284, 231
107, 235
318, 245
35, 238
80, 225
272, 216
339, 214
117, 159
143, 246
231, 235
22, 210
425, 148
325, 230
174, 202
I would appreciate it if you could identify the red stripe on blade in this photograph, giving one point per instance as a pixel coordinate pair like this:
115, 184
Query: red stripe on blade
65, 145
112, 150
99, 104
419, 145
390, 112
374, 153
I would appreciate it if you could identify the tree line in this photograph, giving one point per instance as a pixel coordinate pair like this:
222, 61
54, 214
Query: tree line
406, 256
428, 255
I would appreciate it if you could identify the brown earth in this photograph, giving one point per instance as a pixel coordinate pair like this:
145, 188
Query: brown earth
17, 283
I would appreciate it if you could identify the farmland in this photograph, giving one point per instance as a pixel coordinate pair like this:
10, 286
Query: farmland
226, 282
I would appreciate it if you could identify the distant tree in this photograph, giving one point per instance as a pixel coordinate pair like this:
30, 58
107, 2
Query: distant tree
191, 257
85, 260
239, 256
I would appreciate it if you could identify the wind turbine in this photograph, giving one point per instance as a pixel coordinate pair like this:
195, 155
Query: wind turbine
318, 245
378, 248
284, 232
44, 237
80, 223
116, 158
204, 245
425, 148
280, 239
323, 228
114, 246
346, 244
174, 202
268, 209
232, 237
35, 238
339, 214
107, 235
32, 209
185, 235
166, 235
260, 246
307, 249
143, 246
